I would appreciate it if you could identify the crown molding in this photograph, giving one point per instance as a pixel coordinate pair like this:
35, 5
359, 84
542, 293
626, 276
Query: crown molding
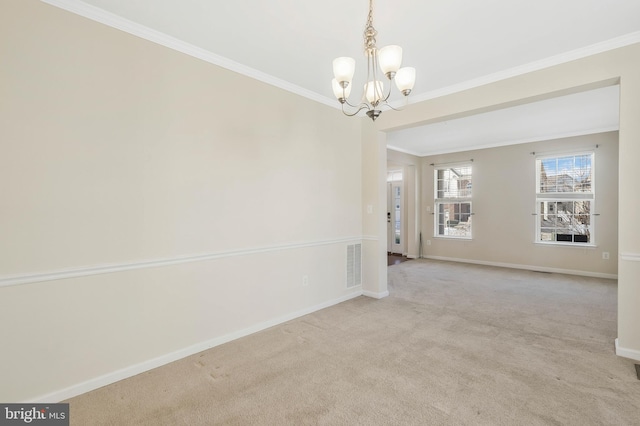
406, 151
499, 144
112, 20
94, 13
583, 52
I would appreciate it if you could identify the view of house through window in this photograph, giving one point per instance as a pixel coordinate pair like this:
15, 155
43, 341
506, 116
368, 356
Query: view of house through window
453, 201
565, 198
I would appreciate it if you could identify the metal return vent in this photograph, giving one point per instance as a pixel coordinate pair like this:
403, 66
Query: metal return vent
354, 265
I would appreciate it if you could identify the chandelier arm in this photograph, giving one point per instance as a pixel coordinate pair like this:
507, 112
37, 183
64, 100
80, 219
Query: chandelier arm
388, 93
406, 102
357, 111
364, 99
395, 109
362, 105
377, 96
345, 100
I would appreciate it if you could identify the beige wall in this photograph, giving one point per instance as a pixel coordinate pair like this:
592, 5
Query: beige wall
504, 200
118, 152
620, 65
122, 156
397, 159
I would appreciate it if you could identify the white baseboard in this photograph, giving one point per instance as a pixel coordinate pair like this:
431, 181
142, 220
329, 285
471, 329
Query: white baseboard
627, 353
379, 295
133, 370
527, 267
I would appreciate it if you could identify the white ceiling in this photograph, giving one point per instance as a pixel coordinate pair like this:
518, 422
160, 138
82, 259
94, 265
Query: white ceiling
453, 44
582, 113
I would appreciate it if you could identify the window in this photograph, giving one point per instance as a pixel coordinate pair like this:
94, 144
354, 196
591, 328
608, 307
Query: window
453, 202
394, 212
394, 176
565, 199
397, 214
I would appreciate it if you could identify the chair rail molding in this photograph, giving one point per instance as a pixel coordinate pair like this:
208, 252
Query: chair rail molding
634, 257
154, 263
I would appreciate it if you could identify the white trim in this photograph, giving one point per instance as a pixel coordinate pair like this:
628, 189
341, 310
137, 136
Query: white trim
627, 353
566, 245
100, 15
634, 257
109, 378
451, 238
527, 267
107, 269
509, 142
112, 20
594, 49
370, 238
406, 151
375, 295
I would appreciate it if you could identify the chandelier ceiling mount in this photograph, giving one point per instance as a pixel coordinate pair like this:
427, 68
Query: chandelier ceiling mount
387, 60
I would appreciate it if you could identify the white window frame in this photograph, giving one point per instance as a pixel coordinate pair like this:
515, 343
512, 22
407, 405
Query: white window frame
465, 199
541, 197
394, 175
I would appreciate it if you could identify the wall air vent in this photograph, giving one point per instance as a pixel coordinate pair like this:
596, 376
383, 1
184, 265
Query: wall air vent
354, 265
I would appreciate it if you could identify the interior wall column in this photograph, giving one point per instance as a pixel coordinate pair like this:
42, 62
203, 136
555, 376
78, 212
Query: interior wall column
374, 219
410, 178
628, 342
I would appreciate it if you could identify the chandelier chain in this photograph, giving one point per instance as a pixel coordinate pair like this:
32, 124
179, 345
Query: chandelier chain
370, 32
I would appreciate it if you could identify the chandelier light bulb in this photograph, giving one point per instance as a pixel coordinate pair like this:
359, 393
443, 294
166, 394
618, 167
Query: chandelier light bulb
405, 79
374, 92
340, 93
390, 58
343, 69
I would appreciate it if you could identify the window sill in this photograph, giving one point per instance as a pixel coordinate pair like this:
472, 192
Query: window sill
445, 237
570, 245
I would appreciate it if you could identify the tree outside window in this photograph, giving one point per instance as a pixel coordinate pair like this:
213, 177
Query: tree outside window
453, 189
565, 197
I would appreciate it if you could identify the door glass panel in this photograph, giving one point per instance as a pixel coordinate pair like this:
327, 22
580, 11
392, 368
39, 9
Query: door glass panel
397, 215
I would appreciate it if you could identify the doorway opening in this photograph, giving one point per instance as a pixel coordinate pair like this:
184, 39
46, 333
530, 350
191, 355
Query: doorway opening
395, 198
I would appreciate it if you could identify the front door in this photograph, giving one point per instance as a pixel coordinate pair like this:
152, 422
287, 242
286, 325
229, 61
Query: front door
394, 217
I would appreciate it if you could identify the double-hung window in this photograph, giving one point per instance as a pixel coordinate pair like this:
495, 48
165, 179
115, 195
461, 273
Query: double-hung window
453, 201
565, 199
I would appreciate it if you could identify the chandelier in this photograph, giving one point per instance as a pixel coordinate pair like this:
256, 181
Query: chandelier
387, 59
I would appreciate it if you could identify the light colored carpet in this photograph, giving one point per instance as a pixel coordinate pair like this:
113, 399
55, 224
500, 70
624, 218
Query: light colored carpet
454, 344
